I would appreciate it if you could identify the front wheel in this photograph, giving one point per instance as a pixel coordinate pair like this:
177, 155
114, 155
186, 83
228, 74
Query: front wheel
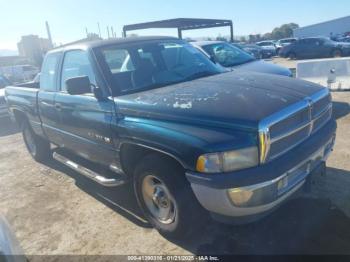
37, 146
165, 197
292, 56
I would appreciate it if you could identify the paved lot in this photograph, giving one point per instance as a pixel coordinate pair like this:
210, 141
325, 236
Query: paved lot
55, 211
284, 62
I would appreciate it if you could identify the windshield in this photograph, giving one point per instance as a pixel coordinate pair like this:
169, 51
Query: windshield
228, 55
147, 65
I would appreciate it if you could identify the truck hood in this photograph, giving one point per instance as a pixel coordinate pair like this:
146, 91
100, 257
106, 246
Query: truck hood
261, 66
233, 99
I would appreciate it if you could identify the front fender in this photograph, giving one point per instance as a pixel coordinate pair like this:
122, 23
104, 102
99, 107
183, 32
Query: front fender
183, 142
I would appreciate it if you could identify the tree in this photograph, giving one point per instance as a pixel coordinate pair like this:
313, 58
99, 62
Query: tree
254, 38
220, 38
284, 31
242, 39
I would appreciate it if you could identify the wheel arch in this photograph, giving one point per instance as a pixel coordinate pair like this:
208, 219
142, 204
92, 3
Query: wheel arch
337, 49
19, 116
131, 153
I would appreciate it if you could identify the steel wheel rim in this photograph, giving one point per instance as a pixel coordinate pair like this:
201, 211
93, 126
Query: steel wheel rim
158, 200
29, 139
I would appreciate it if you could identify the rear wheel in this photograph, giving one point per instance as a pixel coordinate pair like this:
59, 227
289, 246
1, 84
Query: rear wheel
166, 197
292, 56
37, 146
337, 53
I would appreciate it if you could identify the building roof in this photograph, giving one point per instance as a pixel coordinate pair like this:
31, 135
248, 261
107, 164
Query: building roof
324, 22
180, 23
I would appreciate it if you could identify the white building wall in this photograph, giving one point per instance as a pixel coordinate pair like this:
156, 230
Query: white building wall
333, 27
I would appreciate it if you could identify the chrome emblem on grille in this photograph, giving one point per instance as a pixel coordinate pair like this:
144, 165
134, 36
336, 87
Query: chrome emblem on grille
310, 115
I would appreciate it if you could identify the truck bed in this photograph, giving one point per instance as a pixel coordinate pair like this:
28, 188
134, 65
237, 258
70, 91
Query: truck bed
23, 99
34, 85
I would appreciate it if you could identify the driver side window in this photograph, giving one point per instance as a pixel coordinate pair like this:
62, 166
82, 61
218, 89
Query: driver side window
76, 63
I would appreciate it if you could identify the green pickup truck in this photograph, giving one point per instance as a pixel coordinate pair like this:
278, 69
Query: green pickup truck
192, 138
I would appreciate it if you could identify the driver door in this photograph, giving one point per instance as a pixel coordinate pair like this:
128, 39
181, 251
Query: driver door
84, 121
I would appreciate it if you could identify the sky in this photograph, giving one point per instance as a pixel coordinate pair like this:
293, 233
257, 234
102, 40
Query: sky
69, 18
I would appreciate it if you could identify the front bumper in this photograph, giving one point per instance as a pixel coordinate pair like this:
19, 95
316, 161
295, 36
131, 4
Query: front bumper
258, 198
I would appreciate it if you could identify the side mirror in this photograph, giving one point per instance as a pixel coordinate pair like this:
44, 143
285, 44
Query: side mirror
78, 85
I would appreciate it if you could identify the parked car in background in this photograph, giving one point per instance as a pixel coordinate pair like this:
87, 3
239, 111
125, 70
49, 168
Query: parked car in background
19, 73
252, 49
315, 47
284, 42
230, 56
34, 83
344, 39
3, 108
191, 137
4, 82
268, 48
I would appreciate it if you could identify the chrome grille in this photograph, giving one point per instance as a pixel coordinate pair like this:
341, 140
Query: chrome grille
288, 128
278, 147
284, 126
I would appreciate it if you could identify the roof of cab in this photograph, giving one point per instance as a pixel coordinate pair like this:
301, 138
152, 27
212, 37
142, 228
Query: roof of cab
99, 43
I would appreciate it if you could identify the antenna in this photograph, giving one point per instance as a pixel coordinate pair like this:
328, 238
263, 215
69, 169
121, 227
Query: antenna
108, 31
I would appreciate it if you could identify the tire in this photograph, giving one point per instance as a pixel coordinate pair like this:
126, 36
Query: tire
166, 198
336, 53
38, 147
292, 56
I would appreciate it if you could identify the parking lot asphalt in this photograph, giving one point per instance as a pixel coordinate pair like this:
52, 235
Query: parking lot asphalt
55, 211
283, 62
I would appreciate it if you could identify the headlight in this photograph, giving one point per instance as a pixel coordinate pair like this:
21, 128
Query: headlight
228, 161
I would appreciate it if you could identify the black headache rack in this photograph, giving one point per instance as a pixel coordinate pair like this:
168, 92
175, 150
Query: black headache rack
182, 24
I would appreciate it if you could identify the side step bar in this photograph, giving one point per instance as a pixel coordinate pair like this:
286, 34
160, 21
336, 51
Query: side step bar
108, 182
